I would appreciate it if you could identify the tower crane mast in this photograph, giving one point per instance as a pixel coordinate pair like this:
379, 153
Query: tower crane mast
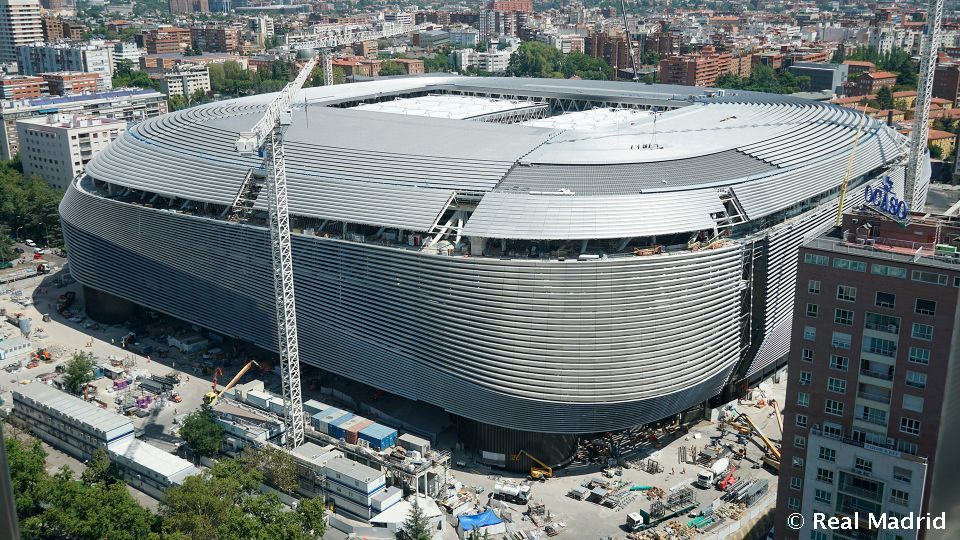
266, 138
921, 121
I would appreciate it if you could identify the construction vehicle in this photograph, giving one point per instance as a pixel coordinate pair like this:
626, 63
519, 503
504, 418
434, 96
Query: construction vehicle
707, 476
65, 301
771, 456
210, 399
728, 480
514, 493
539, 471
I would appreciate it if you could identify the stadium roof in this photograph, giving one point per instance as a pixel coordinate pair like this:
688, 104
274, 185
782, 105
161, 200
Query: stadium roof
394, 152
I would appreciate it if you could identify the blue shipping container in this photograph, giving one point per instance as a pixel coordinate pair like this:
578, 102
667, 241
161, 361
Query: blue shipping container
379, 436
333, 428
321, 418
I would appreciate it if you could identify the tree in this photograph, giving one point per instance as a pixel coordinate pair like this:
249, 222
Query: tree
201, 433
177, 102
416, 527
535, 59
276, 466
884, 98
585, 67
389, 67
27, 464
935, 151
475, 535
6, 245
839, 55
99, 469
79, 372
313, 516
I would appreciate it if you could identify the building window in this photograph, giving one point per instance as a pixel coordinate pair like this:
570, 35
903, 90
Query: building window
843, 316
817, 535
806, 378
922, 331
847, 293
822, 495
928, 277
833, 407
793, 503
803, 399
801, 420
919, 355
813, 286
899, 496
827, 454
797, 462
796, 482
831, 429
908, 447
839, 363
886, 300
910, 426
913, 403
882, 323
799, 441
812, 310
847, 264
838, 386
824, 475
902, 475
864, 466
889, 271
883, 347
925, 307
840, 340
916, 379
807, 355
809, 333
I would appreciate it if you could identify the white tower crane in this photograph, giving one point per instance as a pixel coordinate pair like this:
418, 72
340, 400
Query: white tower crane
921, 120
266, 137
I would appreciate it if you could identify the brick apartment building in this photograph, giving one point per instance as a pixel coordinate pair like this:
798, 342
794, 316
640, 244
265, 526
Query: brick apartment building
411, 66
358, 67
609, 46
524, 6
698, 69
871, 409
69, 83
215, 38
869, 83
22, 87
859, 66
946, 82
167, 40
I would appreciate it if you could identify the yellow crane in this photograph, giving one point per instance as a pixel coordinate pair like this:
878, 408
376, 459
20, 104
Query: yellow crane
540, 471
210, 398
846, 176
772, 456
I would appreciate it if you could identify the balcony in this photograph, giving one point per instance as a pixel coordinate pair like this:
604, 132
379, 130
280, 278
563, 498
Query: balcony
880, 421
886, 328
870, 494
873, 396
883, 375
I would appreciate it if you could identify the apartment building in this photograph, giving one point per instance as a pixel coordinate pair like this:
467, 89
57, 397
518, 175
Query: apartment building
22, 87
188, 6
68, 83
19, 25
870, 83
56, 148
611, 46
215, 39
131, 105
126, 51
94, 57
698, 69
946, 82
166, 40
871, 409
185, 80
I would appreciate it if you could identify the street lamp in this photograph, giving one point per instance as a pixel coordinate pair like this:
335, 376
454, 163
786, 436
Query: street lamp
17, 233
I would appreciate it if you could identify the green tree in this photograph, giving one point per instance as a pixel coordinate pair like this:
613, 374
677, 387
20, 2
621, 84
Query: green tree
535, 59
884, 98
389, 67
27, 465
277, 467
416, 527
313, 516
475, 535
935, 151
99, 469
79, 372
177, 102
7, 252
201, 433
838, 55
586, 67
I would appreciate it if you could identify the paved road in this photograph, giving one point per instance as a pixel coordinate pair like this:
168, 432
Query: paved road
940, 197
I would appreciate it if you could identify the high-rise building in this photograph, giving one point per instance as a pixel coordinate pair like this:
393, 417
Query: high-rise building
166, 40
698, 69
95, 57
188, 6
132, 105
215, 38
56, 148
526, 6
185, 80
612, 47
126, 51
19, 25
946, 82
871, 408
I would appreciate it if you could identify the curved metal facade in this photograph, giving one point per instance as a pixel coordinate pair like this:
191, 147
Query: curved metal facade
564, 347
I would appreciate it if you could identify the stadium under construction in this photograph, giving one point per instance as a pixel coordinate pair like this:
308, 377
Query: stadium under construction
542, 259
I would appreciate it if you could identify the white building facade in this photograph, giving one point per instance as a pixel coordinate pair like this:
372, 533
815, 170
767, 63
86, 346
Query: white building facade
56, 148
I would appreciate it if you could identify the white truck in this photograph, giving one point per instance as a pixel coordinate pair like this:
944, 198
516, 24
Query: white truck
514, 493
706, 477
